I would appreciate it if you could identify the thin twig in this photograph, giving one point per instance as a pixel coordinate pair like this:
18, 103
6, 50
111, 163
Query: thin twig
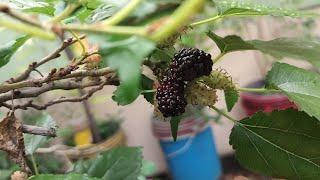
36, 70
83, 53
86, 96
224, 114
96, 137
19, 16
59, 75
218, 57
29, 129
64, 85
66, 43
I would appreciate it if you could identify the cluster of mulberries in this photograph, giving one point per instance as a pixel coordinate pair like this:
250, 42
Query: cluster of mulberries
187, 65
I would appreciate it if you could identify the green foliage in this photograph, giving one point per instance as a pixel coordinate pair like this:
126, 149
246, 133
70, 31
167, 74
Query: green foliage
48, 10
278, 48
71, 176
147, 84
241, 12
230, 43
100, 13
300, 49
56, 165
301, 86
5, 174
7, 167
174, 124
36, 7
7, 50
231, 96
148, 168
126, 56
281, 144
162, 54
33, 142
255, 7
91, 12
117, 163
108, 128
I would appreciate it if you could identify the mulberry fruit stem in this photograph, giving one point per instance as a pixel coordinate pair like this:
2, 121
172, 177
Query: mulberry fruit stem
224, 114
218, 57
148, 91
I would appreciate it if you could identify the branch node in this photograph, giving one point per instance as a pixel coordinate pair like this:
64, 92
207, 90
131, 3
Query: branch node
4, 8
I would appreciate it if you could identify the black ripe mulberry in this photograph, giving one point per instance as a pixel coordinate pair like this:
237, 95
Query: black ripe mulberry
170, 97
191, 63
186, 66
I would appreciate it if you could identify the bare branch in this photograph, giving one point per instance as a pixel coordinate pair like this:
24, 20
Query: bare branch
54, 76
66, 43
22, 17
30, 103
64, 85
29, 129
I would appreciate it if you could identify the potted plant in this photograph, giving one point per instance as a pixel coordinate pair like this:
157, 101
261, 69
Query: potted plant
80, 140
144, 36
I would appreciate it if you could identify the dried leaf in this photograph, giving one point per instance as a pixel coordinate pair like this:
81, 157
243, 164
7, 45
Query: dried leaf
11, 140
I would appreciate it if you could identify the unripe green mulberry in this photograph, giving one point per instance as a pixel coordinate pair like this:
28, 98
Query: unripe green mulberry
218, 79
198, 93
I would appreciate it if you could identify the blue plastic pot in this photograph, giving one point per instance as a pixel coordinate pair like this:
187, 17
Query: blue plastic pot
194, 157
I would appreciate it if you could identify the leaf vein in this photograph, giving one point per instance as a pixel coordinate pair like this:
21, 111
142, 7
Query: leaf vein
293, 167
261, 155
280, 148
281, 130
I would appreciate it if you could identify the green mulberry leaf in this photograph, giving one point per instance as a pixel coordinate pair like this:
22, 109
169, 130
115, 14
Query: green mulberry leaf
282, 144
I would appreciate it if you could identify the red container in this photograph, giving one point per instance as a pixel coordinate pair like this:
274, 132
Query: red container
254, 102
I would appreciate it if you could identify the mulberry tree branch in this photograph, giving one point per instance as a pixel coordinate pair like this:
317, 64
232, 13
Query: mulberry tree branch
55, 76
19, 16
55, 54
64, 85
30, 103
29, 129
